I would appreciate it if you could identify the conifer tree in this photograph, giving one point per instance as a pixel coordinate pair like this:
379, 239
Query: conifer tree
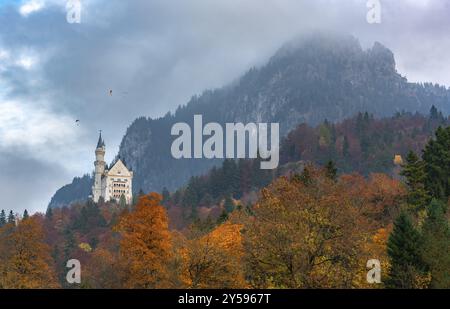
434, 113
437, 164
403, 248
165, 195
305, 176
228, 204
11, 217
49, 213
122, 202
414, 172
346, 147
2, 218
223, 217
25, 215
436, 245
331, 170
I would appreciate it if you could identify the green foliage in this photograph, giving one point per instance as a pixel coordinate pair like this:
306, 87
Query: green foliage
331, 170
436, 245
232, 180
223, 217
2, 218
11, 217
228, 204
437, 164
305, 176
89, 217
414, 172
361, 144
123, 202
49, 213
165, 195
346, 147
69, 243
403, 248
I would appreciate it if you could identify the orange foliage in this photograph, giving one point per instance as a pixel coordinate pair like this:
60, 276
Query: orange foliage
306, 236
25, 262
145, 247
102, 271
214, 260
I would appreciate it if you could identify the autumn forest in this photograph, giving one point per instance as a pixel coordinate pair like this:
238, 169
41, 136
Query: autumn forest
344, 194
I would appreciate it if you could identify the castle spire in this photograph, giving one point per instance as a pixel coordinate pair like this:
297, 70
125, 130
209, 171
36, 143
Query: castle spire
100, 142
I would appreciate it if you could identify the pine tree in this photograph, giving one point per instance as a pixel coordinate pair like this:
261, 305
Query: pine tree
49, 213
331, 170
305, 176
70, 244
122, 202
2, 218
346, 147
403, 248
231, 177
165, 195
414, 172
141, 192
25, 215
436, 245
437, 164
228, 204
223, 217
11, 217
434, 114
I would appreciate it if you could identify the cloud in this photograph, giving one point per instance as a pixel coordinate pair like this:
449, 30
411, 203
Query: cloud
27, 182
33, 127
30, 7
156, 54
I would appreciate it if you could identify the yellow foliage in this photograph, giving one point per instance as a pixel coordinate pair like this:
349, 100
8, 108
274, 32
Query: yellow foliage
145, 247
305, 236
25, 262
214, 260
85, 247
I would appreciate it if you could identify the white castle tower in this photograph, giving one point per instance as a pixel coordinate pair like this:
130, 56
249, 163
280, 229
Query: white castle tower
113, 183
99, 168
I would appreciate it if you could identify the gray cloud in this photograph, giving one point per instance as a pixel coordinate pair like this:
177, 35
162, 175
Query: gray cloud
26, 182
155, 54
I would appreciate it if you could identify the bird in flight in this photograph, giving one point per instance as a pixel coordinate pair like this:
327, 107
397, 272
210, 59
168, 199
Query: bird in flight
77, 122
110, 92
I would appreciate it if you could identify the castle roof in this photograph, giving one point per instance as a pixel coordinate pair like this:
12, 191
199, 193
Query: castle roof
101, 142
119, 168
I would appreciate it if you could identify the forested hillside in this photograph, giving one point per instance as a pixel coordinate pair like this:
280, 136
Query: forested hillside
361, 144
310, 228
306, 81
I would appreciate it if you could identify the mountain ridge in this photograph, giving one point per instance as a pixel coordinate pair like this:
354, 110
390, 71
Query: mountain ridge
306, 81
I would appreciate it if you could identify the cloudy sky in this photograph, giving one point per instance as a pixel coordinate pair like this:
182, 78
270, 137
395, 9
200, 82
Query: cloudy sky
154, 55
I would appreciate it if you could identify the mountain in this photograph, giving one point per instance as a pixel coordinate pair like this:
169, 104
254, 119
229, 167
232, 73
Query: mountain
307, 81
77, 191
361, 144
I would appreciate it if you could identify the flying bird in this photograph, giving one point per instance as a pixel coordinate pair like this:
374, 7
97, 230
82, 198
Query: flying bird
77, 122
110, 92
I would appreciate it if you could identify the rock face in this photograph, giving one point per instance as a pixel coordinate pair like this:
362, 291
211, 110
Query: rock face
309, 80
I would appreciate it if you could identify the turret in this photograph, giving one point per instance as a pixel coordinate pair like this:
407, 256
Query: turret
99, 168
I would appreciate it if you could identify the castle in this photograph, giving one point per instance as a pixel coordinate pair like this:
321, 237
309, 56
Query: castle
112, 183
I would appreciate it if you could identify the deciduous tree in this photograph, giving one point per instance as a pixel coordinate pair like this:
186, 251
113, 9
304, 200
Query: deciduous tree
145, 247
25, 261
